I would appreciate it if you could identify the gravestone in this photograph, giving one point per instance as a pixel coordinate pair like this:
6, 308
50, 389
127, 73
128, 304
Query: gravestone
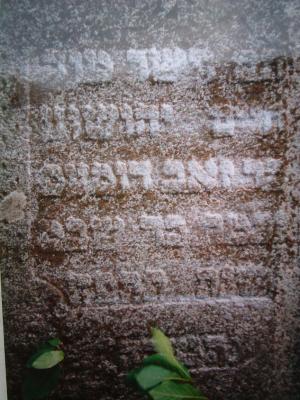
150, 177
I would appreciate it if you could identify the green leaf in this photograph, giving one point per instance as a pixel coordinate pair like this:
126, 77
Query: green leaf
42, 349
131, 376
152, 375
164, 347
157, 359
176, 391
55, 342
162, 343
48, 359
163, 361
38, 384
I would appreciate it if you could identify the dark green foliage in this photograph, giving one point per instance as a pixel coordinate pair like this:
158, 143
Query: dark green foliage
162, 376
43, 372
151, 375
171, 390
39, 383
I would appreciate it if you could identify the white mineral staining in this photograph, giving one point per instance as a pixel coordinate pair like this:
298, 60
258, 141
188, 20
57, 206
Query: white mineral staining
103, 178
150, 222
12, 207
101, 121
121, 171
192, 228
57, 229
260, 121
126, 114
106, 232
76, 65
167, 176
77, 177
235, 227
175, 231
167, 64
58, 118
262, 172
147, 113
238, 221
97, 121
198, 56
212, 221
245, 280
74, 121
138, 63
51, 180
68, 67
224, 128
52, 236
76, 234
175, 172
226, 171
167, 113
202, 174
97, 65
143, 170
281, 218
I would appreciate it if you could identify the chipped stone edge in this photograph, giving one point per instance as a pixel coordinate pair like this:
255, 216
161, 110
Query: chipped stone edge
12, 207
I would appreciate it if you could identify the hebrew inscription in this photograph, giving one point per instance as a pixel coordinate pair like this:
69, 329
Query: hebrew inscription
165, 65
94, 120
171, 230
153, 201
100, 121
154, 285
150, 177
166, 176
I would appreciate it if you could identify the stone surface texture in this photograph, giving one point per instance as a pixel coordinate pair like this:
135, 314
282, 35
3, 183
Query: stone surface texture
150, 176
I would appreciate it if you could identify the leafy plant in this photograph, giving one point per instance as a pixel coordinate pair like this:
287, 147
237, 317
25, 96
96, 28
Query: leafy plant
43, 371
162, 376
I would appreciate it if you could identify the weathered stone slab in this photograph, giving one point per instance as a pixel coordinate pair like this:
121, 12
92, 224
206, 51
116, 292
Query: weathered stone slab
152, 178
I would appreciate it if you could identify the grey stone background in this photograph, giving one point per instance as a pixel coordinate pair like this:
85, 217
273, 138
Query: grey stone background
150, 176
